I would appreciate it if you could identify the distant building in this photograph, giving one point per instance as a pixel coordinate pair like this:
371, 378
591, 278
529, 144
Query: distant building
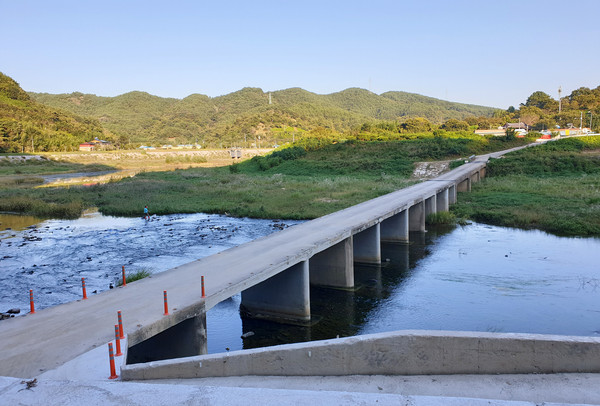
87, 146
95, 144
497, 132
571, 131
516, 126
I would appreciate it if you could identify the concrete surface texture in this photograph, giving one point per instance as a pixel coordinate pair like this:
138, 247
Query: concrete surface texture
86, 377
508, 390
391, 353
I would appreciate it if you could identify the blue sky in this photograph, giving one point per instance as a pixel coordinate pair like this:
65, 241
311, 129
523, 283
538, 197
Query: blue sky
493, 53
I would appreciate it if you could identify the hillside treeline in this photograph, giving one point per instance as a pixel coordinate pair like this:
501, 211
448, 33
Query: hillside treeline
28, 126
540, 112
251, 116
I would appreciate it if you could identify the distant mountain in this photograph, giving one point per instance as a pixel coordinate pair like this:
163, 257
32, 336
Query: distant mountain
145, 118
28, 126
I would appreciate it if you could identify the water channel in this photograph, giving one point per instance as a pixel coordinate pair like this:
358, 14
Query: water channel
476, 277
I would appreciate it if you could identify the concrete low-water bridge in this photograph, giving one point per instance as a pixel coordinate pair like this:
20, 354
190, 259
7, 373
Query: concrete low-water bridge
273, 274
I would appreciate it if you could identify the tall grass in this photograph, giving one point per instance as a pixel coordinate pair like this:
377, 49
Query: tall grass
41, 208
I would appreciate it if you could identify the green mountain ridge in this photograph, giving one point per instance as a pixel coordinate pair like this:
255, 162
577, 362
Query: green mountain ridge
141, 117
29, 126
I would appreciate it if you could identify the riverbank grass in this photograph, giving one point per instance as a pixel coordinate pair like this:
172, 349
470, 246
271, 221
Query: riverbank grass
554, 187
292, 183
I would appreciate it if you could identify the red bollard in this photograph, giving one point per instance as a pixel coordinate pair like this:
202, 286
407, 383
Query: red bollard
111, 358
124, 279
121, 335
31, 306
202, 280
166, 306
83, 287
117, 341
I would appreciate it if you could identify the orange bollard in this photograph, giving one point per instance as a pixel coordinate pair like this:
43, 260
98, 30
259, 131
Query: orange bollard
121, 335
166, 306
31, 306
124, 279
111, 358
83, 287
117, 341
202, 280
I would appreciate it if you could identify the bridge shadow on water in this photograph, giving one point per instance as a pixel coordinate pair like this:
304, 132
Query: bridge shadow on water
334, 312
343, 313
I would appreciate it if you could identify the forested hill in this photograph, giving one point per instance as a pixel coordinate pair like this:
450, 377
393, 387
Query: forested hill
28, 126
142, 117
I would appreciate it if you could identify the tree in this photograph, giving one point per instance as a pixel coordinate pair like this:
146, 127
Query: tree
530, 115
416, 125
542, 101
455, 125
584, 98
545, 124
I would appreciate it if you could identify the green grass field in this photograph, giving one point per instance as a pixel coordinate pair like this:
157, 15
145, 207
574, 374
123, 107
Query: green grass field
554, 187
291, 183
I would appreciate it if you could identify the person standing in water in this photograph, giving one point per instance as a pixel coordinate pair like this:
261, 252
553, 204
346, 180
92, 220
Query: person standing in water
146, 213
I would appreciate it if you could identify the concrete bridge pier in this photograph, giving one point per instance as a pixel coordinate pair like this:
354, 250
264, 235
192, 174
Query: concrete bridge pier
367, 245
416, 216
464, 185
441, 198
334, 266
175, 336
452, 194
395, 228
282, 297
430, 206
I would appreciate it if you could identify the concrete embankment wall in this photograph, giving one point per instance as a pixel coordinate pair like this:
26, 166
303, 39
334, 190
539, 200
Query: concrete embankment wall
395, 353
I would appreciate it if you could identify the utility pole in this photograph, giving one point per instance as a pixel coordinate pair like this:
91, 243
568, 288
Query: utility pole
581, 120
270, 102
559, 100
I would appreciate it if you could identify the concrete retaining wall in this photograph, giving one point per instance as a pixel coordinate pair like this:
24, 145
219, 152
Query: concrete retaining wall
396, 353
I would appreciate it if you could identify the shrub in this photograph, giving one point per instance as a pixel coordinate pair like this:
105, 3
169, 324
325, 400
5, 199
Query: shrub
137, 275
456, 163
441, 217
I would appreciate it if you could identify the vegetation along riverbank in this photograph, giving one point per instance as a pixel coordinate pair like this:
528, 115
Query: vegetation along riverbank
312, 178
553, 187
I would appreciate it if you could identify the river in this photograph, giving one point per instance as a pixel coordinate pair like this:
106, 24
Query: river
474, 278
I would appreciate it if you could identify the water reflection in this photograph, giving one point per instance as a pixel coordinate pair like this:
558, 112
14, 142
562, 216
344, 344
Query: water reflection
475, 278
16, 222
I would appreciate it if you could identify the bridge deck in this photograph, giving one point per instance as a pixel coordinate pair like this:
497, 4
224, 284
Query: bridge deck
38, 342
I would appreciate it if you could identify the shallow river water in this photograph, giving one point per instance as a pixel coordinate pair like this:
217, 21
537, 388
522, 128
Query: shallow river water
475, 278
52, 256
